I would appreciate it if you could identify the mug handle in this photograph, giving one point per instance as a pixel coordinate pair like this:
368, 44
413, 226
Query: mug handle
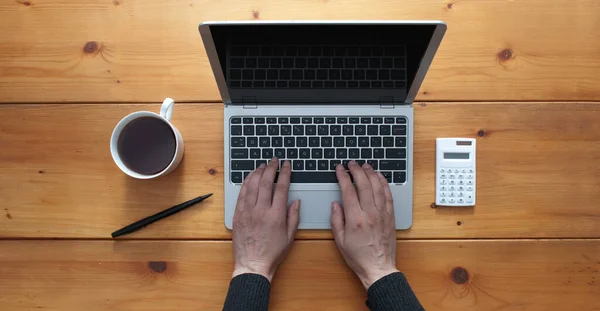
166, 110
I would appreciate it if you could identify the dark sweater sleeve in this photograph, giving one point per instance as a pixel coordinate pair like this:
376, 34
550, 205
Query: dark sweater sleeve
248, 292
392, 293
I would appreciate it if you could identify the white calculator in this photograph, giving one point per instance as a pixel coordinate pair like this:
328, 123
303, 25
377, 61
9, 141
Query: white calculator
455, 175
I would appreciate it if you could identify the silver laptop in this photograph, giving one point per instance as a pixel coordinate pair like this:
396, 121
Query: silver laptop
320, 93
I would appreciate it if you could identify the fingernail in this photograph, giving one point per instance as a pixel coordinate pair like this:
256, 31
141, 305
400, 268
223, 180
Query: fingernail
366, 165
380, 175
274, 159
286, 163
352, 162
339, 167
262, 165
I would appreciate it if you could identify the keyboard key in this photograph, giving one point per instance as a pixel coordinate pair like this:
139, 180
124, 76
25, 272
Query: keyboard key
363, 141
323, 165
277, 142
242, 165
399, 177
310, 165
345, 164
298, 130
388, 176
350, 141
301, 142
252, 141
329, 153
361, 162
378, 153
298, 165
273, 130
323, 130
292, 153
401, 120
365, 120
353, 120
311, 130
389, 141
395, 153
271, 120
289, 142
313, 177
255, 153
238, 142
259, 120
306, 120
333, 164
341, 153
384, 130
342, 120
377, 120
373, 163
294, 120
348, 130
317, 153
236, 130
282, 120
398, 129
372, 130
261, 130
366, 153
264, 142
286, 130
313, 142
236, 177
246, 174
392, 165
267, 153
236, 120
280, 154
239, 153
335, 130
304, 153
360, 130
388, 120
400, 141
318, 120
248, 130
338, 141
248, 120
326, 142
376, 142
330, 120
354, 153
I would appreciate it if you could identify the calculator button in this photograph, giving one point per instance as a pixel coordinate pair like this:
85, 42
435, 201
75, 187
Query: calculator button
443, 188
464, 171
470, 171
461, 188
443, 200
469, 188
452, 200
451, 176
469, 182
470, 176
443, 176
461, 201
442, 182
452, 182
452, 188
455, 171
460, 194
469, 198
442, 171
461, 176
461, 182
442, 194
451, 194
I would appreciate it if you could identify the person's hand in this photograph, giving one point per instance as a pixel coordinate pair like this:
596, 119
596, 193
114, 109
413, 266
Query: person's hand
365, 228
263, 226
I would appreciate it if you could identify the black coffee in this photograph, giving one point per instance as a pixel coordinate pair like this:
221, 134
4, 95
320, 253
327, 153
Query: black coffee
147, 145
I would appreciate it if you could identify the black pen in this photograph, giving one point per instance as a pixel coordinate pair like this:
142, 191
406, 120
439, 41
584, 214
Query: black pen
158, 216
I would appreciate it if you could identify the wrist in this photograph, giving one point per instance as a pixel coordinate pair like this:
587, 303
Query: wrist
373, 276
254, 268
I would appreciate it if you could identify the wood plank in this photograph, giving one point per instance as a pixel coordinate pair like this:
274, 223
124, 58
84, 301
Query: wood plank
103, 275
538, 173
145, 50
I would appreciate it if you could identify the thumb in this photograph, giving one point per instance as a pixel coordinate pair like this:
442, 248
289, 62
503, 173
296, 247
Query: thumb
293, 218
338, 221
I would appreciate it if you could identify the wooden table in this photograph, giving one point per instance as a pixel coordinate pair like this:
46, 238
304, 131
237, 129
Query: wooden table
523, 77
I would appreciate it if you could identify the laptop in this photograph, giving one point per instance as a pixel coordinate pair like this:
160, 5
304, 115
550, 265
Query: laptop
320, 93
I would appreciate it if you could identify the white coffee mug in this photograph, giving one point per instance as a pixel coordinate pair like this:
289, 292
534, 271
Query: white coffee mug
166, 111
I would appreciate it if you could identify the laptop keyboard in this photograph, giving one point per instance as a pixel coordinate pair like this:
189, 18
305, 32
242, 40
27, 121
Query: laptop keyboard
316, 145
317, 67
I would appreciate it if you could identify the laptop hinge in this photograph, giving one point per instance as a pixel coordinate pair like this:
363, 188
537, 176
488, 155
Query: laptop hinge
386, 102
249, 102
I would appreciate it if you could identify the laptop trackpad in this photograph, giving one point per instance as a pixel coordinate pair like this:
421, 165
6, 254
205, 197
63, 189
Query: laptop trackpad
315, 207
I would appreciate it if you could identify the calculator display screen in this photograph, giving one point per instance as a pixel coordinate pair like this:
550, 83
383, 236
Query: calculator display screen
456, 155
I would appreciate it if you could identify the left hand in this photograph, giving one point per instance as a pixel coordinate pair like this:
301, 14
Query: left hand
263, 226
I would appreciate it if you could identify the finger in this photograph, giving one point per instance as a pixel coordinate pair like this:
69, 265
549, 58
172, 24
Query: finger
265, 187
389, 200
293, 219
338, 222
378, 193
282, 188
365, 190
252, 183
349, 196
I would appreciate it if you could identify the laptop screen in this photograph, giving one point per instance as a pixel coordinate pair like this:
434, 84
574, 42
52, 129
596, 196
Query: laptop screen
315, 63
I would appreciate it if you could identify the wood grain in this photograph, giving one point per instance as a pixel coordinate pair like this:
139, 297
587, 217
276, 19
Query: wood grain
537, 165
127, 275
145, 50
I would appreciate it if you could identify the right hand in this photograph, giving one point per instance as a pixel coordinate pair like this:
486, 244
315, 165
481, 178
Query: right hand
365, 228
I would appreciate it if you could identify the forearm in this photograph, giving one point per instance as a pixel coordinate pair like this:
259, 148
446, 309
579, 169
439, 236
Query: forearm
392, 293
248, 292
